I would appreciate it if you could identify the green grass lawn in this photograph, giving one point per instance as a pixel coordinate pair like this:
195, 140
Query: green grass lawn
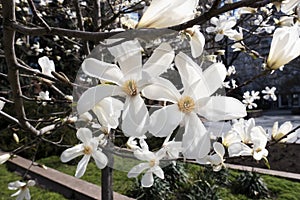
279, 188
36, 192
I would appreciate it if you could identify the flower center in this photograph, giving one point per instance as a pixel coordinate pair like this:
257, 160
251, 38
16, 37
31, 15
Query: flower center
152, 163
130, 88
258, 150
186, 104
23, 187
87, 150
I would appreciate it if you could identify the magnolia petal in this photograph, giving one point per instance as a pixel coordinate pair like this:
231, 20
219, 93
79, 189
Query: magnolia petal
71, 153
128, 55
102, 70
81, 167
144, 154
287, 6
203, 161
1, 104
285, 46
108, 111
189, 71
136, 170
260, 154
220, 108
161, 90
147, 179
46, 65
84, 135
219, 37
158, 172
160, 60
197, 43
95, 94
16, 185
164, 121
285, 127
258, 137
31, 183
239, 149
135, 117
196, 140
213, 78
26, 194
23, 194
3, 158
219, 148
215, 159
162, 14
16, 193
100, 159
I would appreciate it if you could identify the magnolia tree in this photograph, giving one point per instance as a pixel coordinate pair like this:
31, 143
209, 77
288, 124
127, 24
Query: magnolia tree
159, 70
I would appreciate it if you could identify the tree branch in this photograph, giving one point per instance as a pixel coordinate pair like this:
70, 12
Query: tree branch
85, 35
215, 12
11, 61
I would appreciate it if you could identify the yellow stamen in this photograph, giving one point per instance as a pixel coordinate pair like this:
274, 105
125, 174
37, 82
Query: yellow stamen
186, 104
87, 150
152, 163
130, 87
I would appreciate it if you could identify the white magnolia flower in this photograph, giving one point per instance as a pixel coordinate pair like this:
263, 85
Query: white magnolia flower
129, 80
216, 160
128, 21
284, 129
108, 112
285, 47
238, 46
259, 140
230, 84
46, 65
152, 166
4, 157
249, 100
289, 5
231, 70
23, 191
223, 26
16, 138
36, 48
19, 42
162, 14
197, 40
196, 99
243, 128
172, 148
235, 35
233, 83
44, 96
255, 95
2, 103
269, 93
249, 103
226, 84
88, 148
230, 137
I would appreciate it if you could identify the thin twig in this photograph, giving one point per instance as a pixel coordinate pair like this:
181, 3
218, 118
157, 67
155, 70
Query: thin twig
37, 14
